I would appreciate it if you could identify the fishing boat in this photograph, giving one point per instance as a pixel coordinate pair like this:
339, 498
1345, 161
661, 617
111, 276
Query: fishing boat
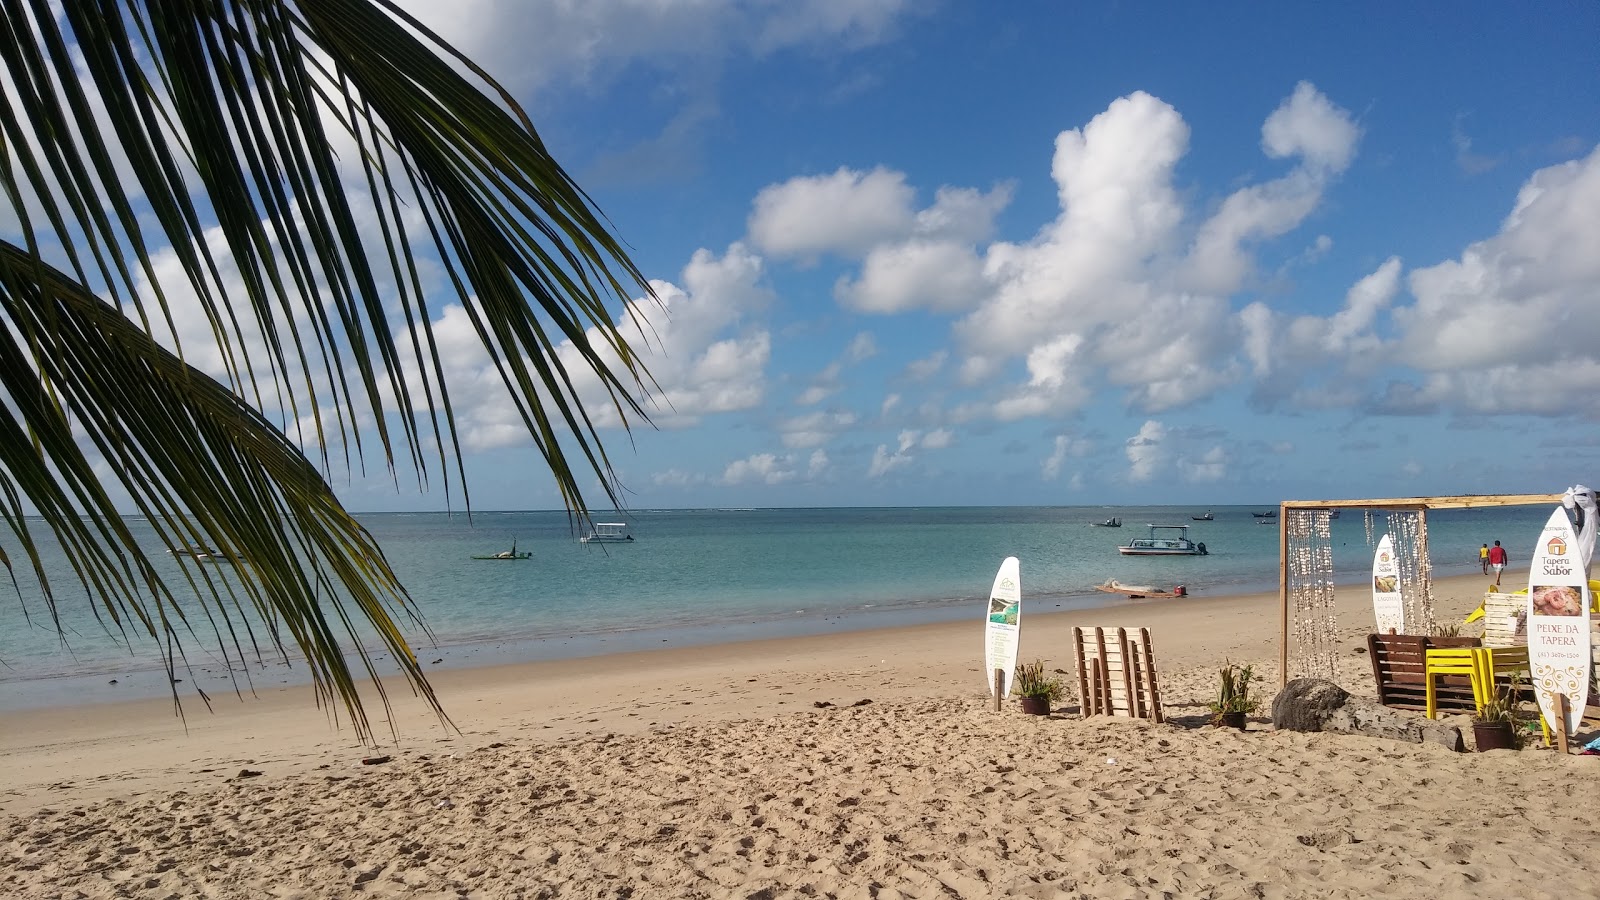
1109, 523
1141, 591
1269, 514
607, 533
1205, 518
508, 554
1164, 540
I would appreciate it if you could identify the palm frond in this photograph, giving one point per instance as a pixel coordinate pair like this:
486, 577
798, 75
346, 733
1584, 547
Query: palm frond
205, 131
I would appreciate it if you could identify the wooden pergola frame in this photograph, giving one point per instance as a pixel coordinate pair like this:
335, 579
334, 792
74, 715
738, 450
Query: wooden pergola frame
1462, 501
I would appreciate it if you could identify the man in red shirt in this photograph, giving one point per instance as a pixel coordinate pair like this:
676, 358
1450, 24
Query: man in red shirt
1497, 560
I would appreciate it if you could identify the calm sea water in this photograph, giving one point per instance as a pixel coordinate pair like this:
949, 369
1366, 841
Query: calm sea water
707, 576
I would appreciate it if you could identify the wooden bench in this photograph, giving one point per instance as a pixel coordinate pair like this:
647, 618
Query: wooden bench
1398, 664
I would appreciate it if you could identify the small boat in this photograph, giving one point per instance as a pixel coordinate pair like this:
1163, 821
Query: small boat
607, 533
508, 554
1269, 514
1273, 521
1109, 523
1162, 542
1205, 518
1141, 592
198, 551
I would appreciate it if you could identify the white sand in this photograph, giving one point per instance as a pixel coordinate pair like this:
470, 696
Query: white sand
708, 772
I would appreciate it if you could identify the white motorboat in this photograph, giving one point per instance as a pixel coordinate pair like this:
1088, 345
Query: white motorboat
608, 533
1164, 540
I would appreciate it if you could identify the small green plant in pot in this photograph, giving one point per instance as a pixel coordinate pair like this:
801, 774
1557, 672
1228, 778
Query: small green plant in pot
1233, 701
1494, 725
1038, 690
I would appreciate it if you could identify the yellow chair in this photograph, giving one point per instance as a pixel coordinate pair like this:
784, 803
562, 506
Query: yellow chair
1440, 661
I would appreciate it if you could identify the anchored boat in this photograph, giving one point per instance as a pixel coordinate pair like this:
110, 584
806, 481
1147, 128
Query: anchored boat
1164, 540
607, 533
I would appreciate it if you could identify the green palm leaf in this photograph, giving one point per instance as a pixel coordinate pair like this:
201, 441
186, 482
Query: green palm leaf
204, 131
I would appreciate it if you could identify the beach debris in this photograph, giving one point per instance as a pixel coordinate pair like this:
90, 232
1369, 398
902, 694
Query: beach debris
1111, 760
374, 760
822, 704
437, 661
247, 773
862, 702
445, 803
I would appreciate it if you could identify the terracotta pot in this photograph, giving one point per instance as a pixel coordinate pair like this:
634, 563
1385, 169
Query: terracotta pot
1036, 706
1233, 720
1493, 736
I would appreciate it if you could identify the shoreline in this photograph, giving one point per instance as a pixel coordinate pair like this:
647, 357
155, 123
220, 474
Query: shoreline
147, 681
132, 747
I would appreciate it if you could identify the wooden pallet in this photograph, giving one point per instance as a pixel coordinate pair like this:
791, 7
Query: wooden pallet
1117, 673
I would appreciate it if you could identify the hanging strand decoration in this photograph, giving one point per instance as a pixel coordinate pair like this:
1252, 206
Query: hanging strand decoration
1409, 528
1310, 578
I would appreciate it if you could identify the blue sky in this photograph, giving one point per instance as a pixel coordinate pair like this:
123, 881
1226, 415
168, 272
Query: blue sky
961, 253
1044, 253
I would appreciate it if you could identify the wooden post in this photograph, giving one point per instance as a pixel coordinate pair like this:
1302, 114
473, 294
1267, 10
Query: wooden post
1283, 595
999, 688
1560, 724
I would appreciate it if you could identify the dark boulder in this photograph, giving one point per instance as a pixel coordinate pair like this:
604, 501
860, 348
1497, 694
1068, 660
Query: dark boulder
1306, 703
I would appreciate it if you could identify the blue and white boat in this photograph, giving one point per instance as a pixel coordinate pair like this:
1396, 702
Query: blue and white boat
1164, 540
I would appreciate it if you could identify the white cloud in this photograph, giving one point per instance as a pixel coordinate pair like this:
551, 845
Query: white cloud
938, 439
939, 276
1146, 451
928, 366
1309, 126
885, 460
1210, 467
528, 46
1062, 447
1110, 290
847, 212
703, 359
814, 429
828, 382
760, 468
676, 478
818, 466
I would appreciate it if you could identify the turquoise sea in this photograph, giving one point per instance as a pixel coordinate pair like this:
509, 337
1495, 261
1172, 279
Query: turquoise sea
718, 575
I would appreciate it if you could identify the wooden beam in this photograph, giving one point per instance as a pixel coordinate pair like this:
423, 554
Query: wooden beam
1460, 501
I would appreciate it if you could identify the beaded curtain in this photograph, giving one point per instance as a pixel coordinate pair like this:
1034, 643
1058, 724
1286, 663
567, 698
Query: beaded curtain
1310, 584
1409, 530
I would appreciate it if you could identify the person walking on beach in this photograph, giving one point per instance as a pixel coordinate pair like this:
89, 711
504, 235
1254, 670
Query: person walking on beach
1497, 559
1483, 557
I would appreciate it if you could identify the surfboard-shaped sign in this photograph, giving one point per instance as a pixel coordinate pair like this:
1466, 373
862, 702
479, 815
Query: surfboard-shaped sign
1388, 607
1002, 623
1558, 620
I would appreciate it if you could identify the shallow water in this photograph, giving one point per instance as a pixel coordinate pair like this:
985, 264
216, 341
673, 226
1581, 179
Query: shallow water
710, 576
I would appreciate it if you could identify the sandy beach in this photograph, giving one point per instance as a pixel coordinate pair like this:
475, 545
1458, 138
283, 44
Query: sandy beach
865, 764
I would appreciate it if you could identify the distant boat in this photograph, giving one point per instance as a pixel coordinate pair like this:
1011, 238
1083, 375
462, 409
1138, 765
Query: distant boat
1269, 514
1109, 523
1159, 543
1205, 518
607, 533
508, 554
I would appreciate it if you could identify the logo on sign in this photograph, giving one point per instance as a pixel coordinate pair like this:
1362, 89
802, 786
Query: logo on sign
1383, 557
1007, 584
1556, 547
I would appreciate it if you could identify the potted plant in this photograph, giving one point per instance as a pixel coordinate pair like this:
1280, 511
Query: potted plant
1233, 701
1494, 725
1037, 690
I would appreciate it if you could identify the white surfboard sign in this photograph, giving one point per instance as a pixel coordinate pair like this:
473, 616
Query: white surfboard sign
1388, 607
1002, 623
1558, 620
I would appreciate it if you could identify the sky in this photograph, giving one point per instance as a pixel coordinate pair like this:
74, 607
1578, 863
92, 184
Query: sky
958, 253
